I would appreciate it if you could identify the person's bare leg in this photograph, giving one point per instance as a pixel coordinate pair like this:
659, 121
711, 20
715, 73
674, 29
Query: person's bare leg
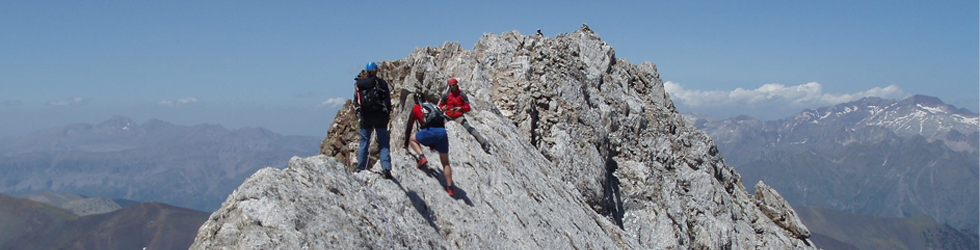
415, 145
446, 170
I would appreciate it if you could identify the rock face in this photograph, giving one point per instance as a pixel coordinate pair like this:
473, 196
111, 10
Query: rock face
586, 151
776, 208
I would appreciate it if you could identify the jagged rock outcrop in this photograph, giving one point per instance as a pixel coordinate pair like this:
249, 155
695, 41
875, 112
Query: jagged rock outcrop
338, 144
587, 151
776, 208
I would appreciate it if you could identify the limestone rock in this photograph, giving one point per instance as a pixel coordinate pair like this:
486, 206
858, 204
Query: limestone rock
345, 128
776, 208
587, 152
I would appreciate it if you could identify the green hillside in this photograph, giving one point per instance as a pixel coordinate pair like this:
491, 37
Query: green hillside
33, 225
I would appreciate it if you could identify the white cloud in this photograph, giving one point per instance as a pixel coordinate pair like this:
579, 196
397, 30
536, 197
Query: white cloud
181, 102
804, 95
769, 101
74, 102
186, 101
333, 102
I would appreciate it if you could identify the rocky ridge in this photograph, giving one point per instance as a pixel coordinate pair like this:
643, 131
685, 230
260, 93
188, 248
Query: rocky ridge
587, 151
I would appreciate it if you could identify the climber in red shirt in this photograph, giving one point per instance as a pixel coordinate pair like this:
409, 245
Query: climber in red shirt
432, 133
455, 104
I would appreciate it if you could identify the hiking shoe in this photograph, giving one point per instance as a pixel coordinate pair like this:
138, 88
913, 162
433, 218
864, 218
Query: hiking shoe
386, 173
449, 190
422, 162
358, 170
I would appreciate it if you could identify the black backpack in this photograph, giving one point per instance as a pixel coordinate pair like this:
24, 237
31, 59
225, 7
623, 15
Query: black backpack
433, 115
373, 99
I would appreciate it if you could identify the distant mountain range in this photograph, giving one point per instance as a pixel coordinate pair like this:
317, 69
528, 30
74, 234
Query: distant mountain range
28, 224
871, 156
189, 166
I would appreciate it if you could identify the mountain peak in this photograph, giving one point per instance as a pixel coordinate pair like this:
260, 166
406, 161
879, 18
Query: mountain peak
117, 122
925, 100
585, 28
743, 118
870, 101
934, 104
584, 151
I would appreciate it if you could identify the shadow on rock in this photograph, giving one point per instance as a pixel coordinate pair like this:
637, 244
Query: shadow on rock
460, 192
420, 205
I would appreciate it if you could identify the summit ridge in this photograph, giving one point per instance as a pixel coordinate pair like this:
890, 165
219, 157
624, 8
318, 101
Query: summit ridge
586, 151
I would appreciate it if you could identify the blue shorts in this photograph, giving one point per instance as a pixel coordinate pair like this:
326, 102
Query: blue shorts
434, 137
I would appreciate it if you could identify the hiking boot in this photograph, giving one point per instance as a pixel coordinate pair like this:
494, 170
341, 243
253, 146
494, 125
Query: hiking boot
449, 190
422, 162
386, 173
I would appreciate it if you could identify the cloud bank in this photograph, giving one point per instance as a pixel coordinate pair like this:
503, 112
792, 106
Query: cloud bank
181, 102
768, 101
71, 102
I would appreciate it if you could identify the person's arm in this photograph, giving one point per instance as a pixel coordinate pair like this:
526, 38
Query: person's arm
442, 101
409, 125
466, 103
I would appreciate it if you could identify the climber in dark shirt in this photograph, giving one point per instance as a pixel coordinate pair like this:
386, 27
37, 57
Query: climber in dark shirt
373, 107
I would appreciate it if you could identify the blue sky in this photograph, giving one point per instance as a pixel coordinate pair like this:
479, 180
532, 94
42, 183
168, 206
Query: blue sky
282, 65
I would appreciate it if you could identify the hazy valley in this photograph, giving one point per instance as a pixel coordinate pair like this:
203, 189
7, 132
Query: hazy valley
188, 166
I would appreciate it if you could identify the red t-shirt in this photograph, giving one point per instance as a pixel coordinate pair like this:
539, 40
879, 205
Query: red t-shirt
455, 100
417, 113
